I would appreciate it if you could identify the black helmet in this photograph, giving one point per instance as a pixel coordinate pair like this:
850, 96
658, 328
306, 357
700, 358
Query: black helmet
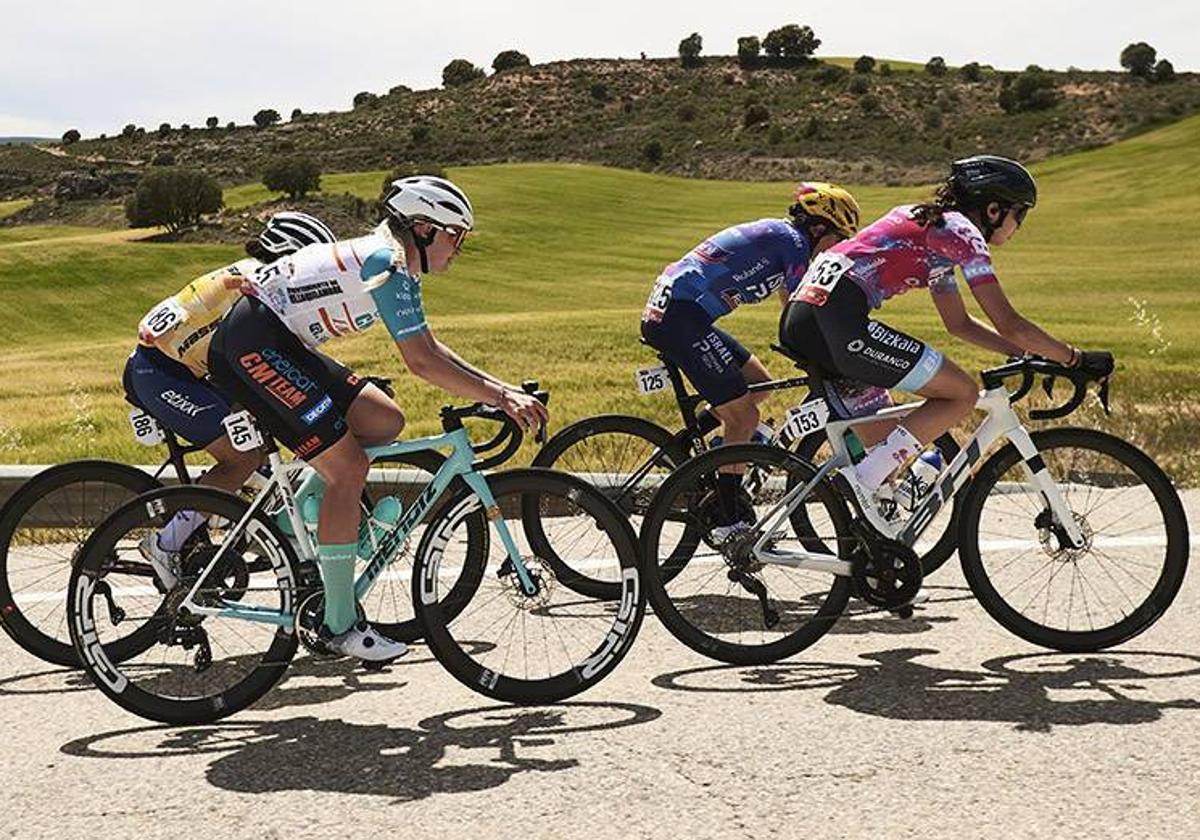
978, 180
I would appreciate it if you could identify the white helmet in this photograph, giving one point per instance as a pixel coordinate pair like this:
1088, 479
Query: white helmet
289, 231
425, 198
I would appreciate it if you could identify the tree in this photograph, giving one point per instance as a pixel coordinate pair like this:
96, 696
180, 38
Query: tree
295, 175
70, 136
129, 131
164, 130
791, 44
748, 51
885, 69
509, 60
1031, 90
174, 198
755, 114
689, 50
858, 86
1164, 71
936, 66
653, 152
599, 91
419, 133
460, 72
212, 122
365, 98
869, 103
231, 125
971, 71
296, 114
266, 117
1138, 59
864, 64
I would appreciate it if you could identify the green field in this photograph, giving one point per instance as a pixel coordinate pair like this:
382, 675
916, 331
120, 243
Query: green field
552, 285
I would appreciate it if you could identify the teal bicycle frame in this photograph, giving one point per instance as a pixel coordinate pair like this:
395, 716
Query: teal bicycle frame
459, 463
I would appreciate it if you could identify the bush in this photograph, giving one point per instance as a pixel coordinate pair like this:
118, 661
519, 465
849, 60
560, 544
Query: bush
936, 66
1164, 71
599, 91
869, 103
297, 114
295, 175
755, 114
212, 122
184, 128
885, 69
775, 135
420, 133
791, 44
864, 64
164, 130
971, 72
686, 112
460, 72
1138, 59
509, 60
266, 117
652, 152
748, 49
933, 117
173, 198
399, 90
70, 136
831, 74
365, 98
1031, 90
812, 128
689, 50
163, 158
129, 131
231, 125
858, 85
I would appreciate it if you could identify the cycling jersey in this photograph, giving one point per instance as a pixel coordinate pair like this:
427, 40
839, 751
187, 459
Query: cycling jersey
741, 264
896, 254
181, 326
319, 292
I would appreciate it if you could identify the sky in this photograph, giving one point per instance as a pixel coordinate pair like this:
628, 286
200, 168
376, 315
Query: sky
96, 66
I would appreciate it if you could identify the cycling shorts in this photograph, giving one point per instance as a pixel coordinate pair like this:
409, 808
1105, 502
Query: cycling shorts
838, 336
299, 395
711, 359
174, 396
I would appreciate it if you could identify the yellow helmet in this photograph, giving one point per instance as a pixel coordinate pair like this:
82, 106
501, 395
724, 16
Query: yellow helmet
828, 202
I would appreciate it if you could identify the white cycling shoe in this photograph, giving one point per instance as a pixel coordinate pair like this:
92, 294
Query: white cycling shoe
362, 641
165, 563
723, 533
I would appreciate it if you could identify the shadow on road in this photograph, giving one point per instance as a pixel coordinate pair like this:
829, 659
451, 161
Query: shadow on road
457, 752
1035, 692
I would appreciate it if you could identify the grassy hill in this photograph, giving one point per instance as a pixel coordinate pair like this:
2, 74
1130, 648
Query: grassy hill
553, 283
819, 120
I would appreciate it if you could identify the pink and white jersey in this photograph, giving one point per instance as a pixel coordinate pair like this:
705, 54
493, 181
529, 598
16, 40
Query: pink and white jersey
895, 254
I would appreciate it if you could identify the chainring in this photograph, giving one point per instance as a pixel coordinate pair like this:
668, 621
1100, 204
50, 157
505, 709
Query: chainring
886, 573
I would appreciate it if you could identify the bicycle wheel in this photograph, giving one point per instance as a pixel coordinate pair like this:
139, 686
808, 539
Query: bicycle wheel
1123, 578
939, 540
198, 668
542, 647
725, 603
626, 458
389, 602
42, 527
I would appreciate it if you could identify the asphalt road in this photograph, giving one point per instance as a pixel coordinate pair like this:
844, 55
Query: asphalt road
941, 725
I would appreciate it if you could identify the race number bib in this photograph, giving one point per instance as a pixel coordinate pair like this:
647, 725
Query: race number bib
146, 430
163, 318
243, 434
652, 380
806, 418
660, 296
822, 277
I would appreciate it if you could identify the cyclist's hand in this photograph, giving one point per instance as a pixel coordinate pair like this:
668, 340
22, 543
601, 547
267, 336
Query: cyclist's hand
1097, 364
524, 408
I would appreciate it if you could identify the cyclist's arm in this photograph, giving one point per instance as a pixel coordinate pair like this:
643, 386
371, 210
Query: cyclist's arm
470, 368
962, 324
1027, 335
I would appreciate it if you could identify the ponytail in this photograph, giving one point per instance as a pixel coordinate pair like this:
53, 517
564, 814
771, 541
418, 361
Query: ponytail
931, 213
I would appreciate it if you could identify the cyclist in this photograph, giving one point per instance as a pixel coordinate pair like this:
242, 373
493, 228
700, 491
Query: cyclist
745, 263
981, 205
264, 354
166, 374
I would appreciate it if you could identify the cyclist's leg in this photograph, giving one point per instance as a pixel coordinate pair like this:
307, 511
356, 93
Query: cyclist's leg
374, 417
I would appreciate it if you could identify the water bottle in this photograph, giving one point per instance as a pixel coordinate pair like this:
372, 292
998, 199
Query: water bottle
373, 529
310, 513
920, 478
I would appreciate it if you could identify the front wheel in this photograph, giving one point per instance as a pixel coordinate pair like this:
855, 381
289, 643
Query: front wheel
511, 643
1029, 578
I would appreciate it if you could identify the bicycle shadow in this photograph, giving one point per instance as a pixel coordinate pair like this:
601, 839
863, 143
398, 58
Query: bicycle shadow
1034, 692
456, 752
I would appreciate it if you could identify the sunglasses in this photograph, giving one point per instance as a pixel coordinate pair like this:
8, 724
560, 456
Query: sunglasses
1019, 212
457, 236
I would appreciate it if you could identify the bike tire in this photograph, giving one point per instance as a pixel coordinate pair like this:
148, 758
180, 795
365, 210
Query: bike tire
1158, 495
600, 634
680, 612
45, 636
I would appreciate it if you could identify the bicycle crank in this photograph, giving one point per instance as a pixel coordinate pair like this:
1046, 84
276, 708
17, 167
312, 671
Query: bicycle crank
887, 574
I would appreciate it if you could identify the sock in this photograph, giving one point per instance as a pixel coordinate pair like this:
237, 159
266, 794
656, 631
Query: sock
175, 533
887, 457
337, 572
728, 485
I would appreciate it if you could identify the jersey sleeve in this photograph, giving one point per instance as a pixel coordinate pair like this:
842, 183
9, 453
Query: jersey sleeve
398, 297
961, 243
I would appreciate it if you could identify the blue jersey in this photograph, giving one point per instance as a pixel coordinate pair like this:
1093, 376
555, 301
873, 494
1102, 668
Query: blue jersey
741, 264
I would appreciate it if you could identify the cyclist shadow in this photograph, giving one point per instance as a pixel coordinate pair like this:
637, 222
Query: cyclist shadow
1034, 692
457, 752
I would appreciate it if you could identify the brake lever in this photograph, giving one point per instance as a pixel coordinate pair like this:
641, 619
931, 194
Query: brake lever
1103, 395
1048, 386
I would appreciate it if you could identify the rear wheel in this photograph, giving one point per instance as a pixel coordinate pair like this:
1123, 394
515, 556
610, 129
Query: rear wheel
42, 528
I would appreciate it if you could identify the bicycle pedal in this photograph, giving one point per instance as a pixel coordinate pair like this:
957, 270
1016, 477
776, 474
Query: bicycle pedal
376, 667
